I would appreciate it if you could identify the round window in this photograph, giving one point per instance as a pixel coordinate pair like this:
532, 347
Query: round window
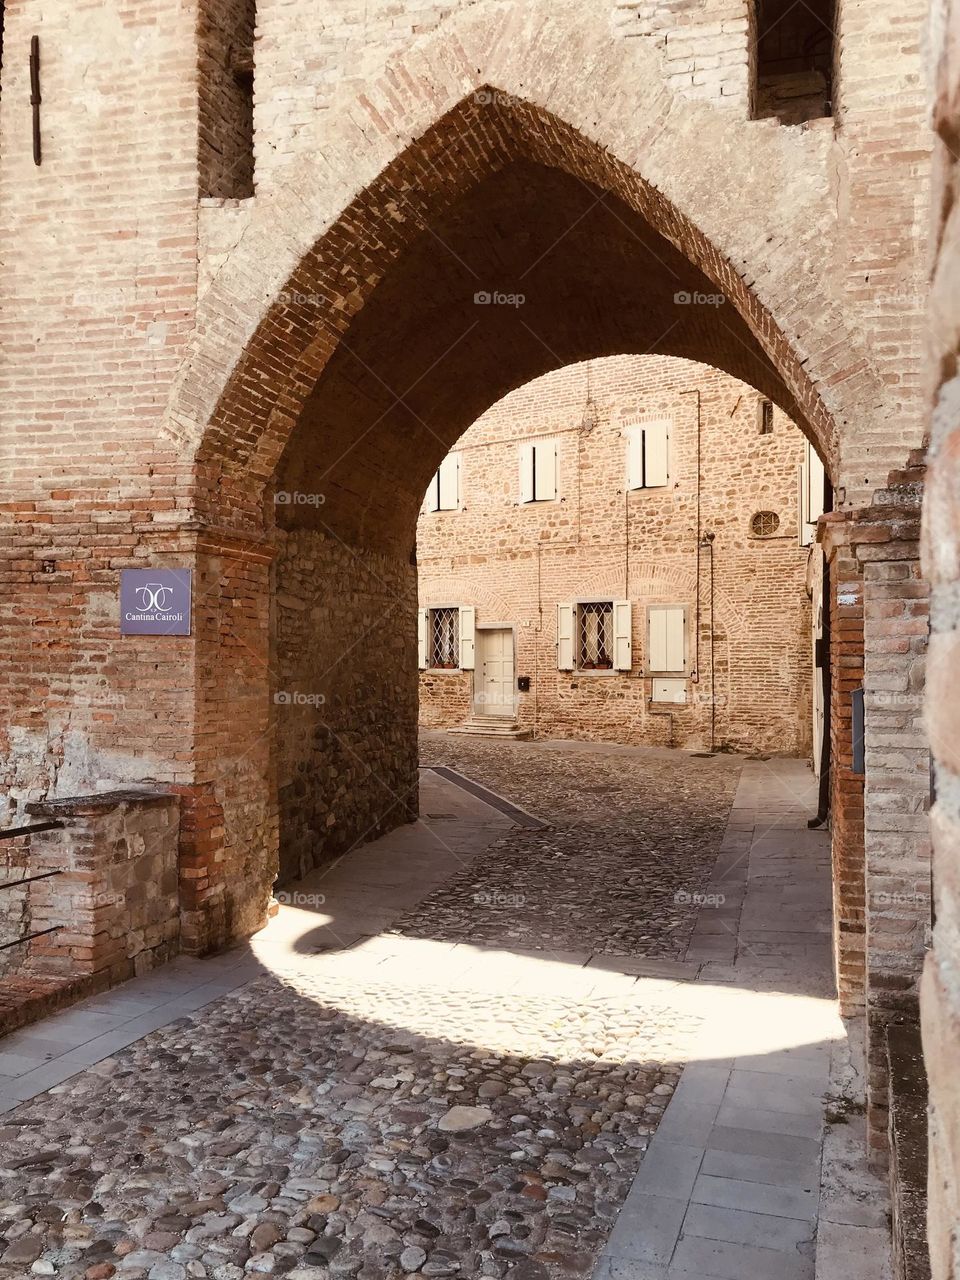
764, 524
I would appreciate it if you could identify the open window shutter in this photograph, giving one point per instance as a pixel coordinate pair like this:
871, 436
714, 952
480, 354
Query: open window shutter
815, 484
635, 458
432, 502
656, 449
468, 625
565, 621
423, 625
526, 473
448, 483
622, 623
545, 469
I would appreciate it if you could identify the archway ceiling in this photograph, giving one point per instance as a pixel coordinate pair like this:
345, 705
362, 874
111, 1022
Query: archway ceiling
422, 359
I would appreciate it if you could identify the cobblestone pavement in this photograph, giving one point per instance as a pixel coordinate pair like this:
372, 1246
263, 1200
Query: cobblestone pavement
647, 824
408, 1105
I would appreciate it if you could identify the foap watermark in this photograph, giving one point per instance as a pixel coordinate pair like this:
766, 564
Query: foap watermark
295, 698
294, 498
682, 898
694, 299
491, 97
906, 899
497, 898
296, 898
497, 298
93, 900
294, 298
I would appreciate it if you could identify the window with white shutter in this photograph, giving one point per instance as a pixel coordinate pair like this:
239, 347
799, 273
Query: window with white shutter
648, 455
538, 471
565, 627
444, 491
813, 494
666, 638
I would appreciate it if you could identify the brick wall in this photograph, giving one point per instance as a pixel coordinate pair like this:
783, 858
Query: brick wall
516, 562
941, 560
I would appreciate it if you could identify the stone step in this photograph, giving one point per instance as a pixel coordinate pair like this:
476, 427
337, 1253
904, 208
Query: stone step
491, 727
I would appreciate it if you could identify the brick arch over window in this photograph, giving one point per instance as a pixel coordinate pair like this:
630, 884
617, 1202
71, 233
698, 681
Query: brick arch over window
684, 176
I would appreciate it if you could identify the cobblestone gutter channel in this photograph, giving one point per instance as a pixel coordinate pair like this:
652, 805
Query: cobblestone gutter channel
413, 1104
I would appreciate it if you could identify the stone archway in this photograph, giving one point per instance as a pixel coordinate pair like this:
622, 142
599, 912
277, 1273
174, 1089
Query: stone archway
361, 371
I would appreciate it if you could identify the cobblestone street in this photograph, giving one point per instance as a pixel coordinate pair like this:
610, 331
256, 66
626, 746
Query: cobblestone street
446, 1056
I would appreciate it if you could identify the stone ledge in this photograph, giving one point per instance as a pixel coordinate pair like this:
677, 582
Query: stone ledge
98, 802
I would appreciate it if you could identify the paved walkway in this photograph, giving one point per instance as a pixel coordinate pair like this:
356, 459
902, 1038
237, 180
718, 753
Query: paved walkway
358, 1099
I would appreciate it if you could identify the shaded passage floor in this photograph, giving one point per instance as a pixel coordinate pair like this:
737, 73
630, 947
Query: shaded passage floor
376, 1104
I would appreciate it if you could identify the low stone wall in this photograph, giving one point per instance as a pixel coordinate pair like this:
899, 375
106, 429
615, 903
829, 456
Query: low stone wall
115, 904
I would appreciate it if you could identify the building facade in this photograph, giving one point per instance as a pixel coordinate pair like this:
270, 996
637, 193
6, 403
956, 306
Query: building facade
620, 550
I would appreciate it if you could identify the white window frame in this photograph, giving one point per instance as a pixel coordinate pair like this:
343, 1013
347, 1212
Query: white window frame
466, 638
621, 636
648, 454
539, 470
654, 648
443, 492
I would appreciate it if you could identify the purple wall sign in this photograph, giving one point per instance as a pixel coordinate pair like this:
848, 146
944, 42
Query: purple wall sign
155, 602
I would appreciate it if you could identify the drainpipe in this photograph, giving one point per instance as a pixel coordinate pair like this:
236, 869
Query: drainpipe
707, 543
695, 678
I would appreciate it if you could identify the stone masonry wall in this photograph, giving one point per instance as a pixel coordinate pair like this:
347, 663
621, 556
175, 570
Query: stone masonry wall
940, 999
515, 562
343, 630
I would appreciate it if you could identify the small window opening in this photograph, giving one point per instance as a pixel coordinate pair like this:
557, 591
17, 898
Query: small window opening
595, 636
764, 524
226, 100
766, 418
795, 60
445, 638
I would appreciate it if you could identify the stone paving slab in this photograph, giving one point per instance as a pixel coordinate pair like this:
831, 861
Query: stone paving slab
736, 1159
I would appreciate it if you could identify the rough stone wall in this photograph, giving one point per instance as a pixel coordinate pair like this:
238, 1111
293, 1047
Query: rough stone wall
344, 716
941, 560
515, 562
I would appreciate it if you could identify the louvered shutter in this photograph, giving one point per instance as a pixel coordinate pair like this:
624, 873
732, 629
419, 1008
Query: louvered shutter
656, 437
423, 631
545, 470
622, 637
634, 457
448, 483
468, 627
565, 623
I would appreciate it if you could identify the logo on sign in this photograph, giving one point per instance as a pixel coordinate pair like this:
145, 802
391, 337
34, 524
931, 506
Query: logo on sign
155, 602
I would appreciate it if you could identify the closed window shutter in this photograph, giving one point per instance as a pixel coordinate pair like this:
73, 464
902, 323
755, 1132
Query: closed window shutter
423, 630
565, 625
468, 626
622, 635
656, 437
667, 638
635, 458
448, 483
526, 473
545, 470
